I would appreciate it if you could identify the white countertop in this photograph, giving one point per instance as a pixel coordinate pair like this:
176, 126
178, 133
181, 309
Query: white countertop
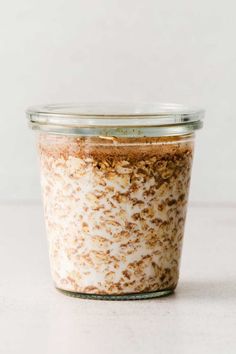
199, 318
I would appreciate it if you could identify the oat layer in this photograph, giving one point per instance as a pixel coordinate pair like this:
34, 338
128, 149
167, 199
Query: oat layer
115, 211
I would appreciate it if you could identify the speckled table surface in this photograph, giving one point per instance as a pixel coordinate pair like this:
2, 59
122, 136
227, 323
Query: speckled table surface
199, 318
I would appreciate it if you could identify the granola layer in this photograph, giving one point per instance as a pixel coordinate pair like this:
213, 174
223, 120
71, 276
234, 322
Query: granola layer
115, 211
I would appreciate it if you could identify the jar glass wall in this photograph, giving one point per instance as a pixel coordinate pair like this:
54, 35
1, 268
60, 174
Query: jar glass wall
115, 200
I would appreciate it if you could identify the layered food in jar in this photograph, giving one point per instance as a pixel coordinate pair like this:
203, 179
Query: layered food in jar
115, 211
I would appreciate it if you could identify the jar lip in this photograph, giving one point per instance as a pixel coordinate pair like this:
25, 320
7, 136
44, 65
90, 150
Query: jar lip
118, 114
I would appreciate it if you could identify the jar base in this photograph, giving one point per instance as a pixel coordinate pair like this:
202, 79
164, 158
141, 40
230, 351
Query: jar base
131, 296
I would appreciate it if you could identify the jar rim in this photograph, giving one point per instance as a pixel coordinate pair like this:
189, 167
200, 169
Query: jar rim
73, 116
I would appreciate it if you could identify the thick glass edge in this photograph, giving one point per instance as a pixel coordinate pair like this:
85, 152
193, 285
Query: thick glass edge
180, 119
151, 131
112, 110
43, 116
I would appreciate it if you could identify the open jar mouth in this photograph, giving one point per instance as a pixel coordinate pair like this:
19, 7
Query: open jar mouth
116, 119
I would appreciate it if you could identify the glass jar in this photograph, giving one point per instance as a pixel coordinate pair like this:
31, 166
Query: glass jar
115, 181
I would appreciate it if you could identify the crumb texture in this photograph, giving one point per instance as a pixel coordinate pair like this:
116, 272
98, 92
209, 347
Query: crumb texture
115, 211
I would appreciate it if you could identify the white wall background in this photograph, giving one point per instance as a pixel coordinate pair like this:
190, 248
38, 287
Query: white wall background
120, 50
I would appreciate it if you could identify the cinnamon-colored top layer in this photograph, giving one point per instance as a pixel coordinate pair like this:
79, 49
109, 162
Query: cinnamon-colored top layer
58, 146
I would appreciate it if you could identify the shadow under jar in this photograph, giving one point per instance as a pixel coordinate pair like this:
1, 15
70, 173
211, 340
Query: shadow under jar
115, 181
